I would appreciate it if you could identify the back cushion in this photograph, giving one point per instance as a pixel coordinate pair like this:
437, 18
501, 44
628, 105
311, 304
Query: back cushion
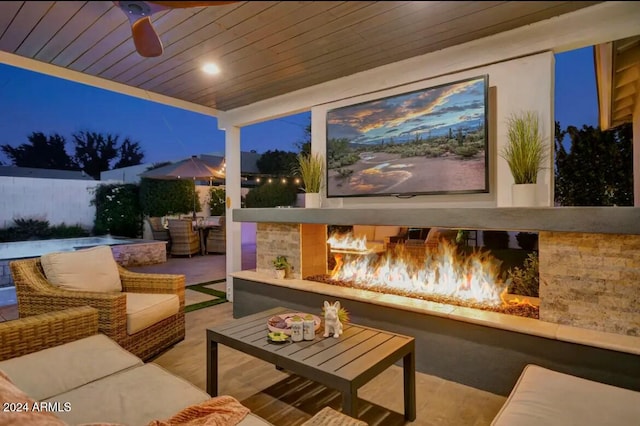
92, 269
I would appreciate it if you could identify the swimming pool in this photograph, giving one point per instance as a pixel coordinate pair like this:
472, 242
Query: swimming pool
23, 249
126, 251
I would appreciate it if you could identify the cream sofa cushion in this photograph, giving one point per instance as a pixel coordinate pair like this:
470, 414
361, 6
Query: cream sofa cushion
92, 269
132, 397
59, 369
145, 309
550, 398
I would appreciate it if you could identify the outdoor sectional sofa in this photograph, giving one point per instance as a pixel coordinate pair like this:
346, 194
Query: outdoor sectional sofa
83, 376
59, 362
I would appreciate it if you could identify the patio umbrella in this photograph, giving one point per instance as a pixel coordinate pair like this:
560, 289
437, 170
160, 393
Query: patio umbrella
190, 168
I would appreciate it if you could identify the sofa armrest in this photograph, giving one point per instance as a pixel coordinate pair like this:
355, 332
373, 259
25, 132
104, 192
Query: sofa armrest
31, 334
138, 282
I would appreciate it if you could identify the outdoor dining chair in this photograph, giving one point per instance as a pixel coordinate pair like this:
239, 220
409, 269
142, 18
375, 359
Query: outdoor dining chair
185, 240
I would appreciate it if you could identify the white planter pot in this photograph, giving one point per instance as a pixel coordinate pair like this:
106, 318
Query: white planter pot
524, 195
312, 200
280, 273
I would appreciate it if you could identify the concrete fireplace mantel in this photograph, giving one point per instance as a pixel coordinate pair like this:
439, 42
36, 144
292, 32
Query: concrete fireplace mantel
600, 220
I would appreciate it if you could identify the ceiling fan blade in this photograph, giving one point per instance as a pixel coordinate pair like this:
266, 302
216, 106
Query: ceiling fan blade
145, 38
184, 4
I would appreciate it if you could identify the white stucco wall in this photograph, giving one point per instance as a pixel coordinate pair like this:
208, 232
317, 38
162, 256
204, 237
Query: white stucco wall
514, 86
56, 200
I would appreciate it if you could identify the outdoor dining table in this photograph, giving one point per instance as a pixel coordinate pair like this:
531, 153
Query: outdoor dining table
345, 363
203, 227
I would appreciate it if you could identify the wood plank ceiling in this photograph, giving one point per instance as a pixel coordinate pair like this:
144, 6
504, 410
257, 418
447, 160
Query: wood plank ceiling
264, 48
626, 80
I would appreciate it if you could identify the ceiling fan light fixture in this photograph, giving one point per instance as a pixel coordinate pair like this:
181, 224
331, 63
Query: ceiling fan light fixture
211, 68
135, 8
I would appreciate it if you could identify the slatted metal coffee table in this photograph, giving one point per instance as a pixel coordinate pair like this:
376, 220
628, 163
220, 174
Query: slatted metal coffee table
345, 363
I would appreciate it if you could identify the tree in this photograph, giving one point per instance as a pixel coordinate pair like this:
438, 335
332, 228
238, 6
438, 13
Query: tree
95, 152
598, 168
277, 162
41, 152
304, 146
129, 154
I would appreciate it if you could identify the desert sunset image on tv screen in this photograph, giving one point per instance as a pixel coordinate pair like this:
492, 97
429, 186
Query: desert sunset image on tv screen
431, 141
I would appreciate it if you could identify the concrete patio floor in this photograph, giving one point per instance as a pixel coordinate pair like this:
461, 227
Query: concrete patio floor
284, 399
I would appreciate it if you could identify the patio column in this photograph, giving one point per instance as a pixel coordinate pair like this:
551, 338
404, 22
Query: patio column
232, 188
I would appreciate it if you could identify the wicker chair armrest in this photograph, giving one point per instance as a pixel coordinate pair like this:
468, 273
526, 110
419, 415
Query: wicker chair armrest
140, 282
112, 307
31, 334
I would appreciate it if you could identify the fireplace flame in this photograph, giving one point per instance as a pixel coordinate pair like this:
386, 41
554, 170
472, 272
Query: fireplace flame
347, 242
441, 271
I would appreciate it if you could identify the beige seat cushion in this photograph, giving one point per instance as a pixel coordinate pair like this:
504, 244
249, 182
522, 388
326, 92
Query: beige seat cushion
547, 397
17, 407
144, 310
92, 269
52, 371
132, 397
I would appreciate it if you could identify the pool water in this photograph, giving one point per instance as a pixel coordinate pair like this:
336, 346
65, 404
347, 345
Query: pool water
24, 249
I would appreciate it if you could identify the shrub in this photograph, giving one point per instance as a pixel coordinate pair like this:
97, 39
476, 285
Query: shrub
118, 210
167, 197
38, 229
495, 239
217, 201
527, 240
31, 229
466, 151
68, 231
272, 195
525, 281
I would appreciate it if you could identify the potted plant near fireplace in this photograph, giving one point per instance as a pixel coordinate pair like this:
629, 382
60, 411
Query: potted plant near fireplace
282, 265
310, 167
525, 152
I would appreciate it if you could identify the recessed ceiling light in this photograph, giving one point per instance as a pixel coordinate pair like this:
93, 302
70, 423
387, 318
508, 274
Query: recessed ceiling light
211, 68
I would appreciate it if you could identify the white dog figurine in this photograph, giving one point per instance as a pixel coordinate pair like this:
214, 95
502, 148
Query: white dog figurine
332, 324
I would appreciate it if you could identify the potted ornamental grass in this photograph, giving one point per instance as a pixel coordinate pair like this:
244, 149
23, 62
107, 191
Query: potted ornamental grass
525, 153
310, 168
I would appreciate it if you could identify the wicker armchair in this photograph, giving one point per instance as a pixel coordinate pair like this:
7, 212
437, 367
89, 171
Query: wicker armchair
158, 231
217, 238
185, 241
26, 335
36, 295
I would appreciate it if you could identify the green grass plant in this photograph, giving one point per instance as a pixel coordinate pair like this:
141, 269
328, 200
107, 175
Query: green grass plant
310, 167
525, 152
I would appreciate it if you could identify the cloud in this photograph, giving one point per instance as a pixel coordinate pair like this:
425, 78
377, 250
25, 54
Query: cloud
396, 111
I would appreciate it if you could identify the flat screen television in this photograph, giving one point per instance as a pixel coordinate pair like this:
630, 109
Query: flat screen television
430, 141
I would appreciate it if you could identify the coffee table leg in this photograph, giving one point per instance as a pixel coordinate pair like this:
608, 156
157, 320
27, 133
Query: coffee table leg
350, 403
212, 367
409, 369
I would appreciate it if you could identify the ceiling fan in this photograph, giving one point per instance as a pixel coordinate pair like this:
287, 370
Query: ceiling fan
145, 38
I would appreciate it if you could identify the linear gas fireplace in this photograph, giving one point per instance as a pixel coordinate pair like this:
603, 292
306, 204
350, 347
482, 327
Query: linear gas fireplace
451, 297
439, 270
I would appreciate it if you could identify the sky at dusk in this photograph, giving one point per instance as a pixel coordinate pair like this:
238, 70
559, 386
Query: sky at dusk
432, 112
32, 102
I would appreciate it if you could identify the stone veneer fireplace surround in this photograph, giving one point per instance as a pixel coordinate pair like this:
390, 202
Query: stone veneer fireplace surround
589, 273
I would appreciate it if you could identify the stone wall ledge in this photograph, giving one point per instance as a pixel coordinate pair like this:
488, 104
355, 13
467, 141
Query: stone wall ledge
594, 338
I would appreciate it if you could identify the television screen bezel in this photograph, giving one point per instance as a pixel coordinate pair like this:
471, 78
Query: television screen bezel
485, 190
